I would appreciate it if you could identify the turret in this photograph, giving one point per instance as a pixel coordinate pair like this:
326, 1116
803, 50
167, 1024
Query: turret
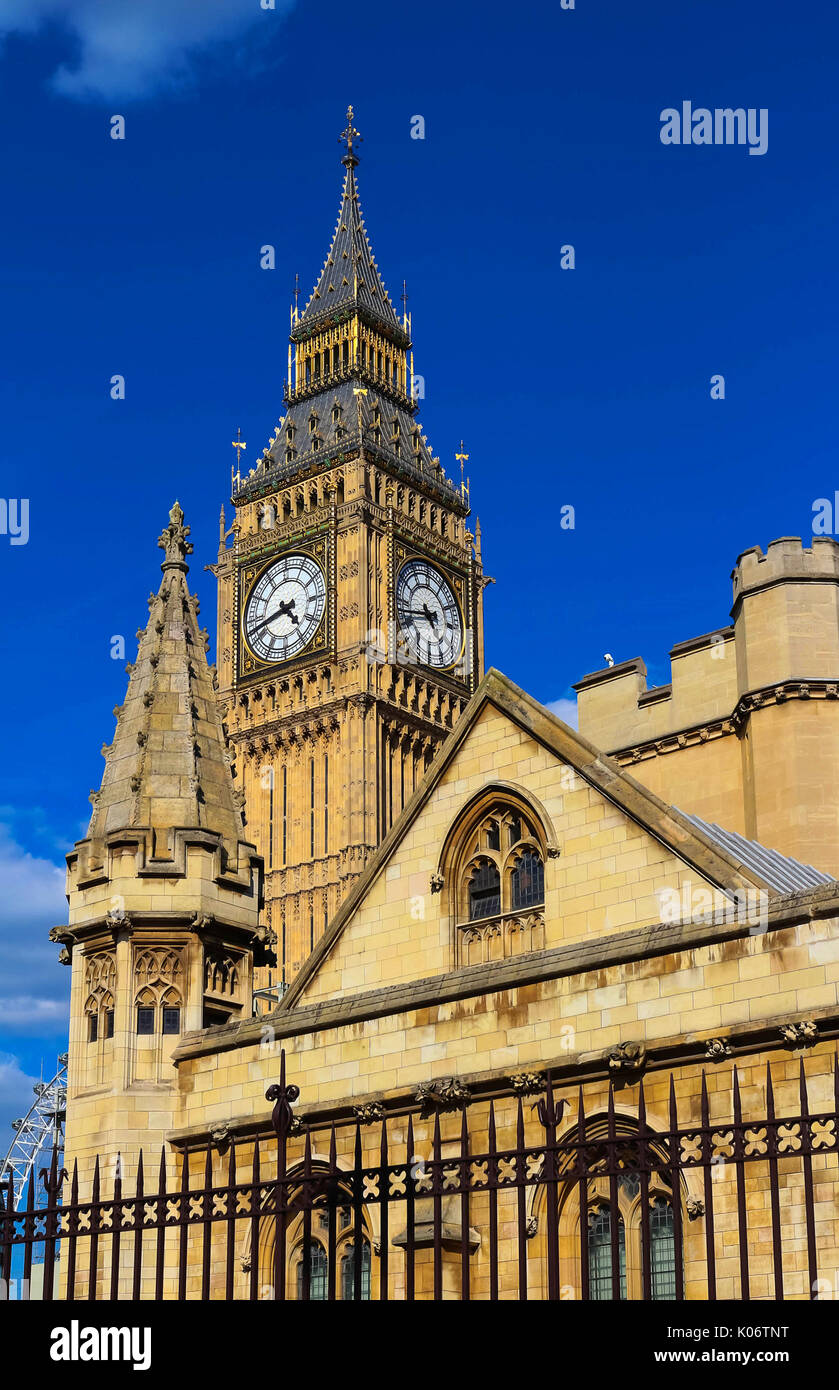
164, 890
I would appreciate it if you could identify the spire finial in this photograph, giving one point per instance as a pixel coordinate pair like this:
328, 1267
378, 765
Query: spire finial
350, 137
462, 458
174, 541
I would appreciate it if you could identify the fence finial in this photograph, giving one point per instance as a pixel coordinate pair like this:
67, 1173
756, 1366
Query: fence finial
281, 1116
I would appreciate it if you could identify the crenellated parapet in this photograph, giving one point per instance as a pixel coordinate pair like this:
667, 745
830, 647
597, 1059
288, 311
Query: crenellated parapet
751, 708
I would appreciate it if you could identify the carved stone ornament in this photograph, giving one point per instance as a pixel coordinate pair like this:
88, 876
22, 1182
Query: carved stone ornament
174, 538
220, 1136
799, 1032
438, 883
446, 1094
64, 957
531, 1227
627, 1057
370, 1113
117, 919
200, 922
527, 1083
716, 1049
695, 1207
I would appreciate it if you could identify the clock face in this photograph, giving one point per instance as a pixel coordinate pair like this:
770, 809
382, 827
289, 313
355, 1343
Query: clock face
428, 615
285, 608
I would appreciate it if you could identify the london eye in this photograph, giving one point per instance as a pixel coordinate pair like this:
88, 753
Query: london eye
41, 1129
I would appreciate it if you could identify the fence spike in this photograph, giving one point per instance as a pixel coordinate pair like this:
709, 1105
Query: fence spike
802, 1087
770, 1094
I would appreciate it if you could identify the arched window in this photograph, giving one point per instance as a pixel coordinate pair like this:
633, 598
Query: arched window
318, 1272
484, 891
493, 872
662, 1250
527, 881
348, 1270
600, 1254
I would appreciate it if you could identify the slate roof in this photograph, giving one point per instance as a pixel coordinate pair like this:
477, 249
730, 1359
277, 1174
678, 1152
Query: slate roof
778, 870
350, 276
328, 423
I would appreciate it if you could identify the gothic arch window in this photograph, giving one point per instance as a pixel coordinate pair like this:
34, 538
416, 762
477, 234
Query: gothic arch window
484, 890
318, 1271
662, 1243
158, 977
527, 880
100, 982
493, 870
600, 1253
91, 1011
622, 1204
662, 1249
327, 1225
170, 1012
347, 1258
146, 1010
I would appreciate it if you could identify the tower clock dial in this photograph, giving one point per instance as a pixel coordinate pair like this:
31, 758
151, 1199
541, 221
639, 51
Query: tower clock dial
429, 617
285, 608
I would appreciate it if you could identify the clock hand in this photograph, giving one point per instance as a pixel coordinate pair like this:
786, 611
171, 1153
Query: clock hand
283, 611
426, 613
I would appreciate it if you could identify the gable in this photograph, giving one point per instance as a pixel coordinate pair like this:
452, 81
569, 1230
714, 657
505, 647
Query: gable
609, 850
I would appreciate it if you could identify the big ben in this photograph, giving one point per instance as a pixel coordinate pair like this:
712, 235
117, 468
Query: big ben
350, 627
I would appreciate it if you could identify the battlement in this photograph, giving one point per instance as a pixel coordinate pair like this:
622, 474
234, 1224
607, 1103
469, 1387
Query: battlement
618, 709
782, 631
787, 560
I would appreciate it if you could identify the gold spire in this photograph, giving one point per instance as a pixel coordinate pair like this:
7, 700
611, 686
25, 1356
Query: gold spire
350, 137
462, 458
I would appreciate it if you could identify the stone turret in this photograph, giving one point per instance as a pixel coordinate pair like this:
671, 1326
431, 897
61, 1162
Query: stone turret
164, 891
751, 710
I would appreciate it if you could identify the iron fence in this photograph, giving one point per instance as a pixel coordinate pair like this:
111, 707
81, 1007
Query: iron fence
438, 1204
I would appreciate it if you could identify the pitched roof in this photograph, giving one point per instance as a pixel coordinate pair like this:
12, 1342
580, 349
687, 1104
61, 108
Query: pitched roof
783, 873
350, 275
167, 764
386, 428
691, 843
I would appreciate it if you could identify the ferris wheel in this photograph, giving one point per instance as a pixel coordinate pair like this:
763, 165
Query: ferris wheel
40, 1129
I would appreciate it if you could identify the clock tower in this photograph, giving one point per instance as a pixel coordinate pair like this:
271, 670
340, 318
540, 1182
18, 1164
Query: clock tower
350, 631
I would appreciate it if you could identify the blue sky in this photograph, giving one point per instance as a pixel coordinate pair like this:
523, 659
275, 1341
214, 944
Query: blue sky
588, 387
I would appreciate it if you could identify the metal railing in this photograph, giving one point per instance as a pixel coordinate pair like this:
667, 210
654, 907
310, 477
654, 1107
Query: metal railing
454, 1199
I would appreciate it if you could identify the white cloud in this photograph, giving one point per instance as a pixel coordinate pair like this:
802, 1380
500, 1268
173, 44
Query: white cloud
127, 48
33, 986
16, 1096
564, 709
